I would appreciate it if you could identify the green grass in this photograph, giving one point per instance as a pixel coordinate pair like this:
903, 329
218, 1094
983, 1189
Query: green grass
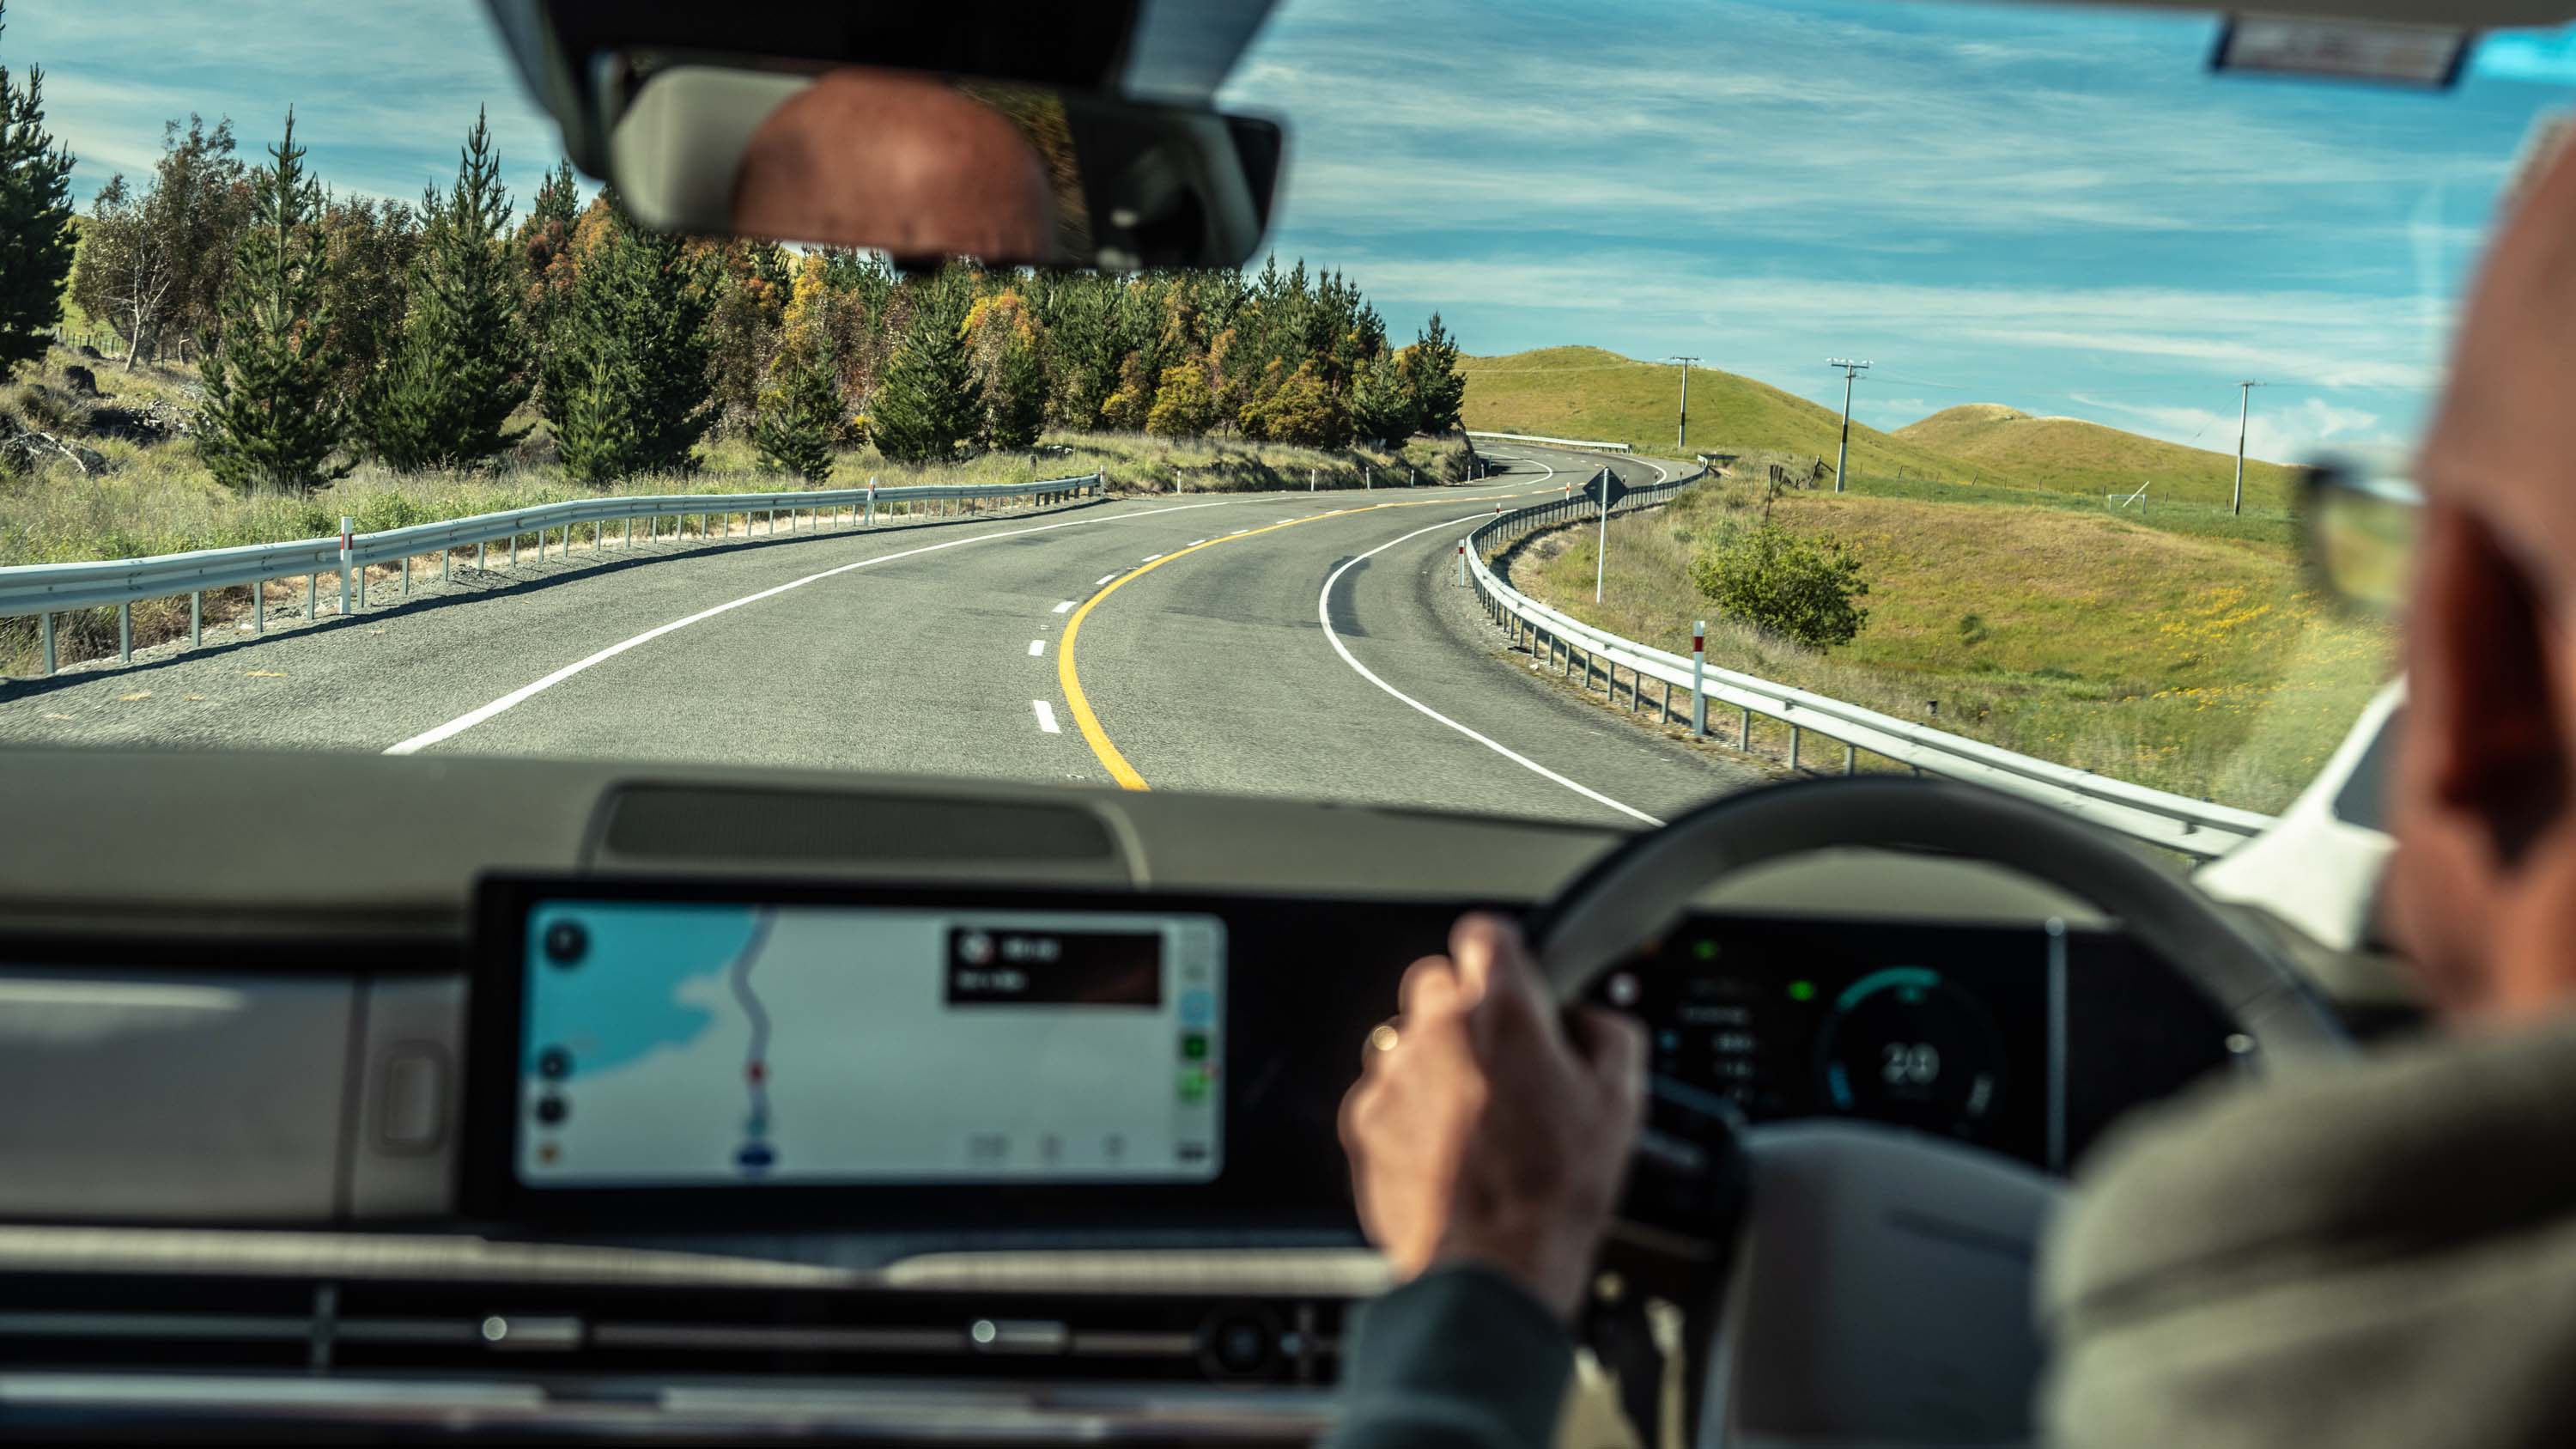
2266, 526
1584, 392
2070, 455
2194, 664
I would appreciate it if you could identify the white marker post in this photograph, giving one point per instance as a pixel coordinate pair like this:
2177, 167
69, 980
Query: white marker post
345, 523
1601, 557
872, 503
1699, 667
1462, 564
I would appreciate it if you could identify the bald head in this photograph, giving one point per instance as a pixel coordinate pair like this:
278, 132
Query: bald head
901, 163
2482, 892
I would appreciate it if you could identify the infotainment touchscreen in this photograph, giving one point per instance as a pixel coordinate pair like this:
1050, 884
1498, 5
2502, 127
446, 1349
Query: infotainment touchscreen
730, 1043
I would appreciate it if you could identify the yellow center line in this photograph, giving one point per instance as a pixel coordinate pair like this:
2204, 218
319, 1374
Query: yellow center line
1080, 705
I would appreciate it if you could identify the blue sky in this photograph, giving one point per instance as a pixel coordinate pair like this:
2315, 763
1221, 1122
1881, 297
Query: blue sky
2062, 211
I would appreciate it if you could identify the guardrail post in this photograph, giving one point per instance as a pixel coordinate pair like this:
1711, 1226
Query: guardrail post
1850, 766
313, 596
197, 619
47, 629
344, 565
1699, 672
1744, 730
406, 576
125, 632
514, 549
446, 562
1793, 747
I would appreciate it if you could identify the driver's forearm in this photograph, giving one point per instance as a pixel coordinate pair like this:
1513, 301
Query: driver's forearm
1460, 1358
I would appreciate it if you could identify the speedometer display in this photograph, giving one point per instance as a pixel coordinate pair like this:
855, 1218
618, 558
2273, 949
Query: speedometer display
1904, 1046
1941, 1030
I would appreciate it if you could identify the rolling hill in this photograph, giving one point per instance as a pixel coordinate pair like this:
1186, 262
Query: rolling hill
1584, 392
2071, 455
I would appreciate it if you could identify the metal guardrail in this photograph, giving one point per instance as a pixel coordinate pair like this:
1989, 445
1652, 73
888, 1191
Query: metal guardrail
1589, 445
45, 590
2176, 822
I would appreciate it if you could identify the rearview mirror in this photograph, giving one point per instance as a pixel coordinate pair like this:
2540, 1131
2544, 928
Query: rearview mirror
925, 166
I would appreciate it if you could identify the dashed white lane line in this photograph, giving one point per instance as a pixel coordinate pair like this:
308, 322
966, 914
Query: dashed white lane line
1149, 558
1064, 608
1104, 578
526, 692
1324, 613
1196, 542
1046, 717
1036, 647
1238, 533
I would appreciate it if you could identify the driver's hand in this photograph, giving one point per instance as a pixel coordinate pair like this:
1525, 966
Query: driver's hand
1487, 1126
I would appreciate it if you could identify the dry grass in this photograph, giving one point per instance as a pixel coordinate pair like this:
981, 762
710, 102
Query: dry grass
2193, 665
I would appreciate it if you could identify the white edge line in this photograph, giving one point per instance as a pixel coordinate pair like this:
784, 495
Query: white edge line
1324, 613
1046, 717
526, 692
1036, 647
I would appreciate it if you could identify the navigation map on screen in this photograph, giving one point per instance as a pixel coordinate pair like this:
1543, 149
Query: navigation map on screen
728, 1043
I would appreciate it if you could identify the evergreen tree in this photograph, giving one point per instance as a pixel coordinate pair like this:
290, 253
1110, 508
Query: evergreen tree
800, 416
1438, 388
459, 368
35, 221
270, 417
628, 393
928, 403
1019, 396
1382, 399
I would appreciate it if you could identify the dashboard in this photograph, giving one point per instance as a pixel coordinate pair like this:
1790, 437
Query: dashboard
680, 1051
735, 1104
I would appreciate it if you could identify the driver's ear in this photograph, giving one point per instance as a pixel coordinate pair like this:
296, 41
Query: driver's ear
2482, 767
2483, 695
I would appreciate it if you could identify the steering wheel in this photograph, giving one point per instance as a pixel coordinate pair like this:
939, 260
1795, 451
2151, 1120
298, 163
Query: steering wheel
1877, 1282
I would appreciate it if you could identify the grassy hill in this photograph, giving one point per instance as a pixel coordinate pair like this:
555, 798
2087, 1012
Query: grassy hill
2069, 455
1584, 392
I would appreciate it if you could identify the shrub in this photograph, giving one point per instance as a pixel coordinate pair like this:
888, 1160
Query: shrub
1804, 588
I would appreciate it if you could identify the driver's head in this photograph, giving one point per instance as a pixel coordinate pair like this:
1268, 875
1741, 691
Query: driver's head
2483, 891
906, 164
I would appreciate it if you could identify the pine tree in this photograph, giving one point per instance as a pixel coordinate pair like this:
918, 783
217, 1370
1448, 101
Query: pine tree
1382, 399
1019, 396
35, 221
460, 366
1438, 388
800, 415
270, 417
928, 403
629, 388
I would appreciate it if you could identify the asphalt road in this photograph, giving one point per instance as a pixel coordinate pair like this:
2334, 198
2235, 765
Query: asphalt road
1207, 654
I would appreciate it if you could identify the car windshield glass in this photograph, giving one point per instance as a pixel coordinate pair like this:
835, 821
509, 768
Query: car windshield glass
1949, 373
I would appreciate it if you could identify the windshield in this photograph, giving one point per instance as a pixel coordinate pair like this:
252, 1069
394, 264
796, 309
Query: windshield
1950, 373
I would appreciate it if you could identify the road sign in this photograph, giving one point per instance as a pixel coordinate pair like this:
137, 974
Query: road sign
1605, 479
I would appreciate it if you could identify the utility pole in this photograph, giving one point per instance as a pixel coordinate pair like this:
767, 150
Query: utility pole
1842, 450
2244, 394
1681, 434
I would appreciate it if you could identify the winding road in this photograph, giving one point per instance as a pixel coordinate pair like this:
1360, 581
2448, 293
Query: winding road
1290, 643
